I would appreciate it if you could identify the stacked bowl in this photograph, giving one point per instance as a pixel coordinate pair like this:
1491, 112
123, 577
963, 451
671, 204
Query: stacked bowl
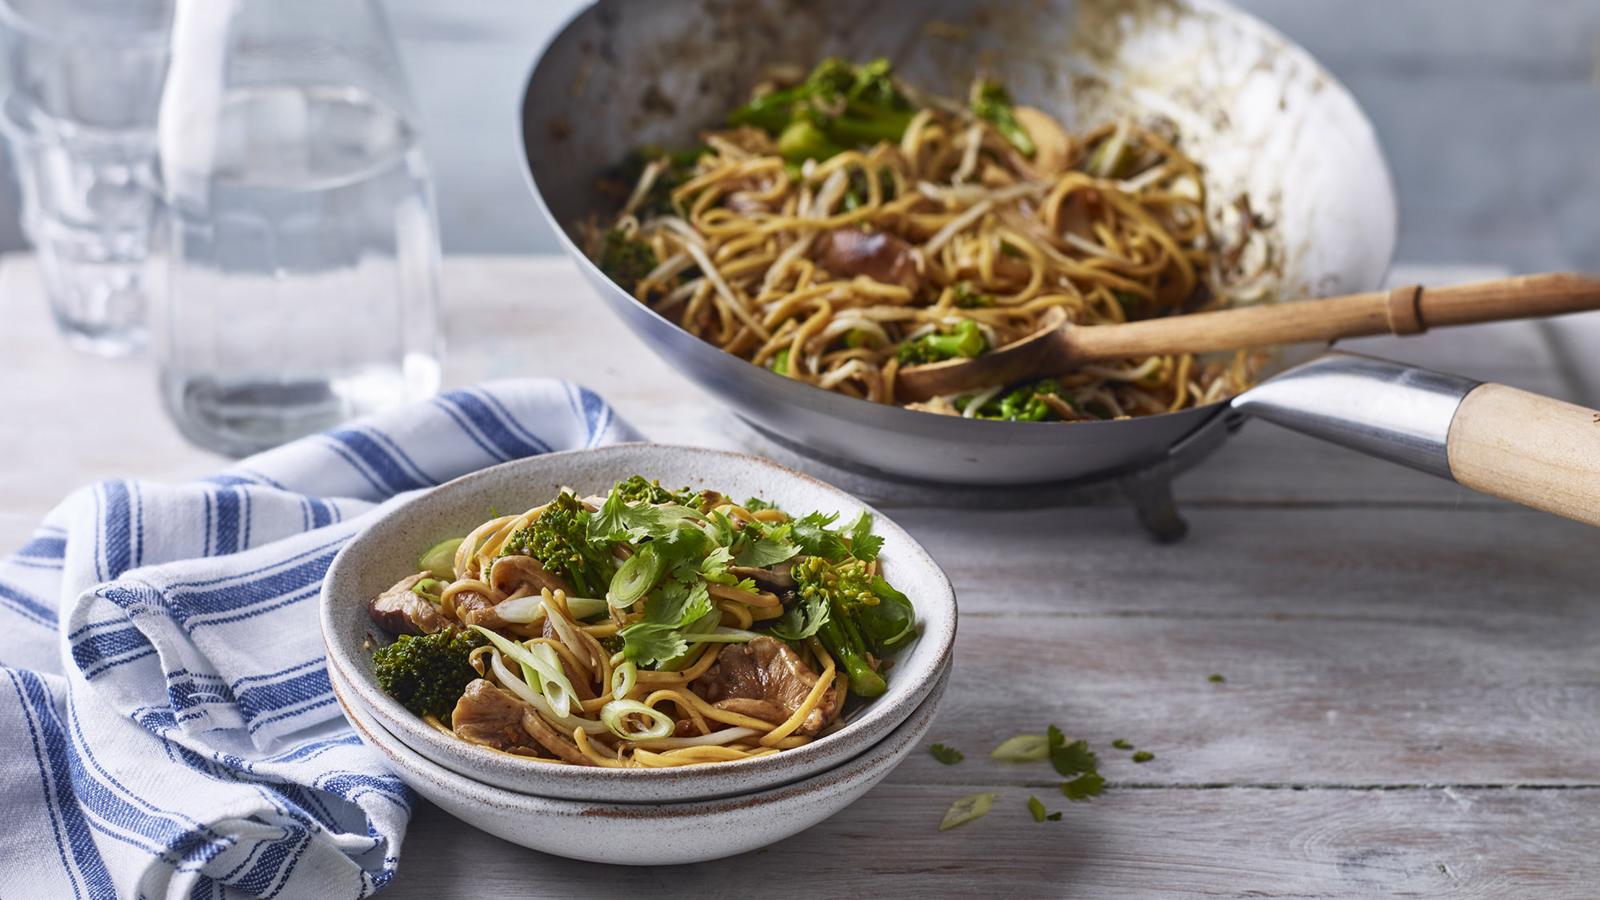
636, 816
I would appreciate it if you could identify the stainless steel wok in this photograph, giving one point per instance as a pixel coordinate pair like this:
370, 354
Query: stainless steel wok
1298, 190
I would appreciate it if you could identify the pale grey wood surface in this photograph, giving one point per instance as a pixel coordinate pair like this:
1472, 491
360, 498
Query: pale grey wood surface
1412, 694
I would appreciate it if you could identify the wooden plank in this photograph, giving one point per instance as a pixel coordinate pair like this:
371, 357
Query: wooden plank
1399, 565
1322, 701
1128, 843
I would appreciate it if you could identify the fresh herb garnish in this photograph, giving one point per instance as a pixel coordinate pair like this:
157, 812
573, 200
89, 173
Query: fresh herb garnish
1122, 744
1215, 678
1143, 756
947, 755
1036, 808
1022, 748
1089, 784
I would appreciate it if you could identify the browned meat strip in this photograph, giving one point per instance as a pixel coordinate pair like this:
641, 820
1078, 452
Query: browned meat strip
492, 717
400, 610
552, 740
879, 256
767, 671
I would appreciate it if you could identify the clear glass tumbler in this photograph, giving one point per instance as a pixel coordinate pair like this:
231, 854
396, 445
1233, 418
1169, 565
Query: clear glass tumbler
302, 247
79, 120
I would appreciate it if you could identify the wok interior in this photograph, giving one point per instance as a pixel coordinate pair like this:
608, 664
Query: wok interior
1297, 189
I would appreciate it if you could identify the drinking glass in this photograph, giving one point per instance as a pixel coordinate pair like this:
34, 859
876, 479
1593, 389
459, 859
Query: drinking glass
302, 249
79, 120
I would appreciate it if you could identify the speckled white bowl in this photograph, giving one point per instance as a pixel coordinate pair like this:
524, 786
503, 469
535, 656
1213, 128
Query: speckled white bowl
648, 834
387, 551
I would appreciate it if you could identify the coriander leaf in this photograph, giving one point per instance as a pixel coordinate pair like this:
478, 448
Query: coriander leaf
1089, 784
1055, 816
1022, 748
802, 619
756, 504
815, 538
864, 545
617, 521
964, 810
1036, 808
1143, 756
668, 611
651, 642
769, 549
714, 567
947, 755
1215, 678
1121, 744
1057, 739
1073, 759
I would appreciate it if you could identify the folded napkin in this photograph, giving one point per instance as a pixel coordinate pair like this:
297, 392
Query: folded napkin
166, 724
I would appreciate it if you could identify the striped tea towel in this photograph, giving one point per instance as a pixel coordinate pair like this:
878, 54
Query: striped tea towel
166, 724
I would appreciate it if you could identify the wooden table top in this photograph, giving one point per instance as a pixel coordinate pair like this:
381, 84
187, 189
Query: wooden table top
1411, 700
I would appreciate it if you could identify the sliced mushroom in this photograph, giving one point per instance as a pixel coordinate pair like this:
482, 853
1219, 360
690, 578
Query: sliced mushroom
1052, 153
511, 572
775, 580
766, 672
400, 610
879, 256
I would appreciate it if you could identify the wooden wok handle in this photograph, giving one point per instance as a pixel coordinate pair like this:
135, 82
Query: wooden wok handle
1529, 449
1405, 310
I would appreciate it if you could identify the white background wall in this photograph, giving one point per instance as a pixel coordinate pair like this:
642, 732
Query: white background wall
1488, 110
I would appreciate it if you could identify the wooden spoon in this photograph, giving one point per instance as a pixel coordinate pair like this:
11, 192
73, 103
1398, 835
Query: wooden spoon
1062, 346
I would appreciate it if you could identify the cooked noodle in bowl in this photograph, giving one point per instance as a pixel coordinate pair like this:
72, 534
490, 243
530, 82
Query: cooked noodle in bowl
845, 226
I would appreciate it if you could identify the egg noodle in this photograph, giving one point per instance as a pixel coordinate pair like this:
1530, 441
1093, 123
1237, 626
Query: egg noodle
658, 670
839, 267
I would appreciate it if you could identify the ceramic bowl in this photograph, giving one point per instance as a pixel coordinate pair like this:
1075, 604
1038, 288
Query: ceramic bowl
647, 834
387, 551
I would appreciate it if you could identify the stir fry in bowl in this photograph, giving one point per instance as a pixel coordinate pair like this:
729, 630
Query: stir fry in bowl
844, 226
645, 628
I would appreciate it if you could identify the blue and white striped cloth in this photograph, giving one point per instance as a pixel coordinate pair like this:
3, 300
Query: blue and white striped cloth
166, 724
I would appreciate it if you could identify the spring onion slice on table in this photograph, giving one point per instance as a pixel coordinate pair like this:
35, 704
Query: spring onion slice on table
644, 627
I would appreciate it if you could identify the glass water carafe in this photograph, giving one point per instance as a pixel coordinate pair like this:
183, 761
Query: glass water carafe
302, 247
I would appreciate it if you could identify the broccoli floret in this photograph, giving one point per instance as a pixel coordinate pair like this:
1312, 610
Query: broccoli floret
991, 102
427, 673
1023, 404
639, 489
969, 297
626, 260
558, 539
965, 340
837, 106
852, 612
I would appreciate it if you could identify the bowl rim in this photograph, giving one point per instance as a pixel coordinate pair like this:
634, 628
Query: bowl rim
882, 716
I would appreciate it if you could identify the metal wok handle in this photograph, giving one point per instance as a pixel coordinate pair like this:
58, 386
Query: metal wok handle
1495, 439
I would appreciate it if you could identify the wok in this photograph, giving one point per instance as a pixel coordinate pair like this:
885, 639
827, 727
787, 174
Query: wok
1297, 187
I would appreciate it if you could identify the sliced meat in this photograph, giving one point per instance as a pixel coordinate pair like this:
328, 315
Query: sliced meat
492, 717
511, 572
400, 610
1052, 147
473, 608
775, 580
767, 671
879, 256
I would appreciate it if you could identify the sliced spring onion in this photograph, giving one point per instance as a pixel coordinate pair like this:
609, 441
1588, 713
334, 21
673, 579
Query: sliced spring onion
530, 609
617, 713
1022, 748
714, 739
440, 560
531, 697
972, 806
635, 577
552, 682
723, 636
623, 678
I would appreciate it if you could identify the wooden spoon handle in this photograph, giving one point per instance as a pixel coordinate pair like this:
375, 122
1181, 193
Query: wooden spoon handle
1406, 310
1529, 449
